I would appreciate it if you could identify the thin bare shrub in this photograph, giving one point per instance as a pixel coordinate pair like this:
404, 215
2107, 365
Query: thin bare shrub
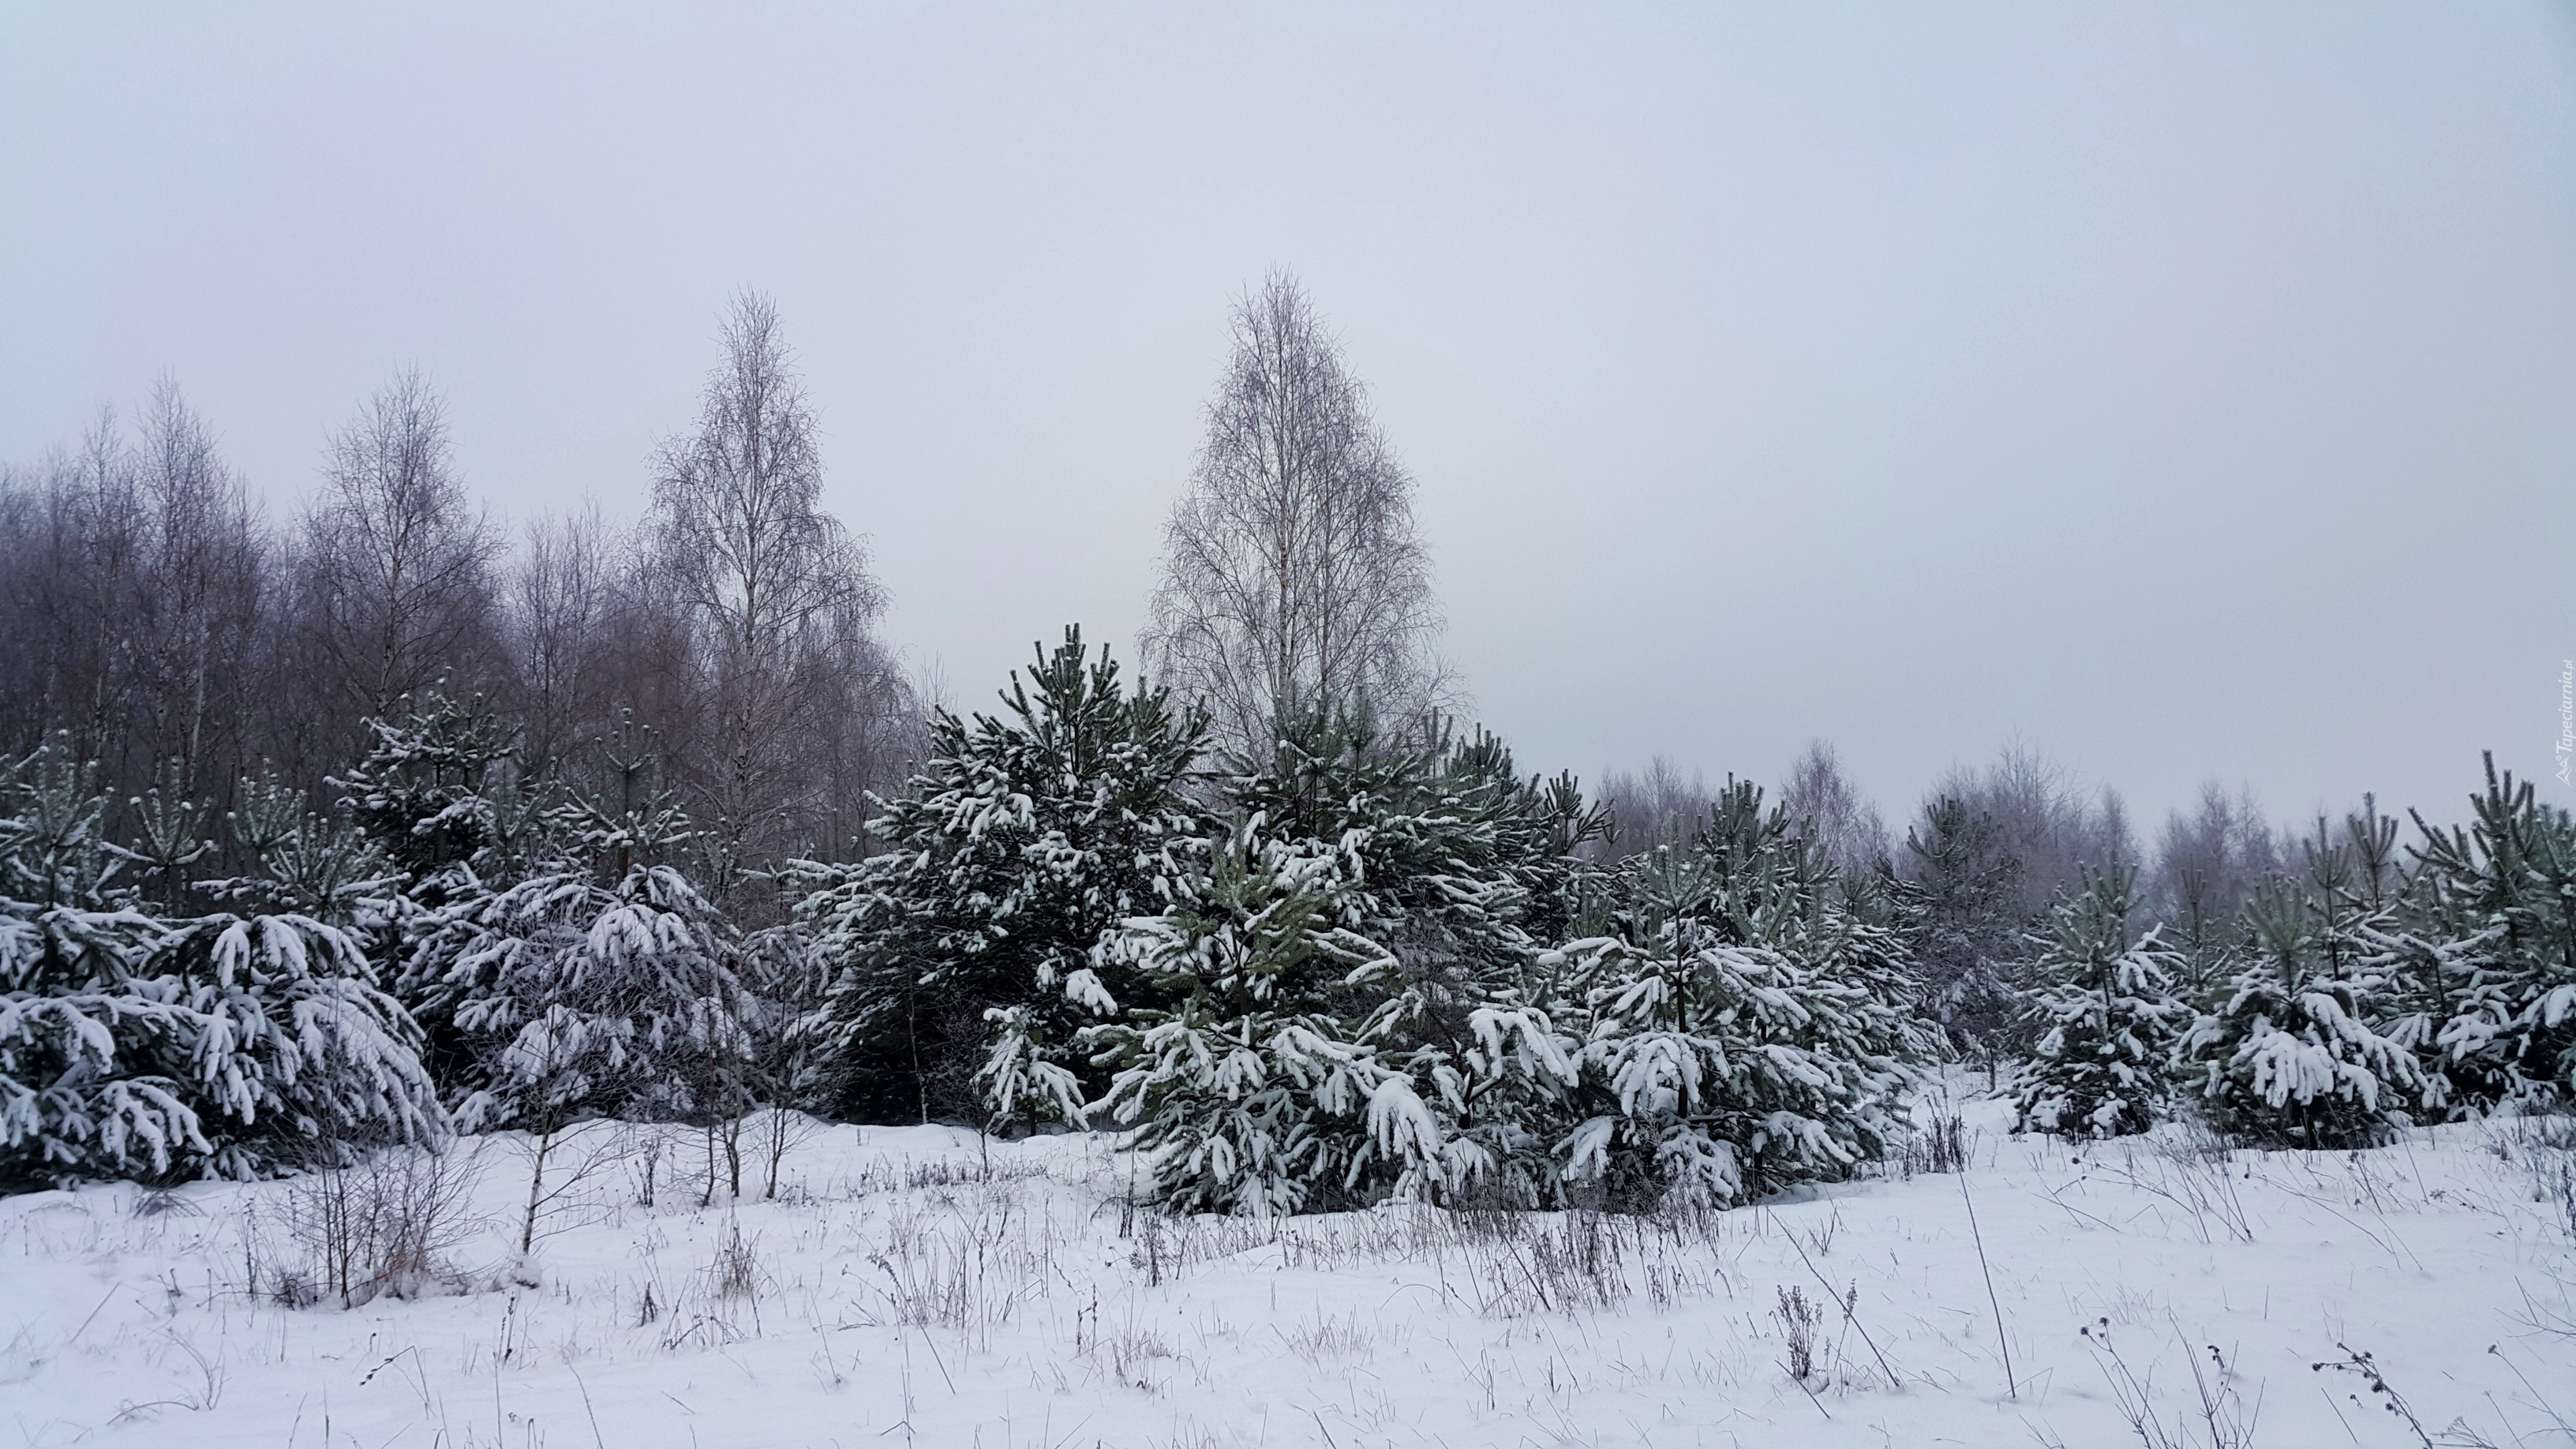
1504, 1263
384, 1228
951, 1172
208, 1393
1939, 1145
645, 1151
1799, 1318
565, 1165
776, 1132
1567, 1263
154, 1202
2361, 1365
1135, 1354
713, 1305
1326, 1338
2555, 1183
735, 1273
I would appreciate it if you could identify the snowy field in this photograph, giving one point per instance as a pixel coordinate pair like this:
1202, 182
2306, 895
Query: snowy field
919, 1286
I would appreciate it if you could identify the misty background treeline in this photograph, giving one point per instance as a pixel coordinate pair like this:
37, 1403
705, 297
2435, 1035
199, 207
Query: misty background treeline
377, 822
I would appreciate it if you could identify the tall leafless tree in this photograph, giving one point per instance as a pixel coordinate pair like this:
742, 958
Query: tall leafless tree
773, 595
397, 568
562, 596
1832, 814
197, 615
1292, 573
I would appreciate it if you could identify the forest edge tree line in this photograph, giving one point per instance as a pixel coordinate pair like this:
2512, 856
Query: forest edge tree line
651, 829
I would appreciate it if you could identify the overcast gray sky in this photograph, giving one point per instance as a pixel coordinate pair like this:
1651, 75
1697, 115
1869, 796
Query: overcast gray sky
2190, 392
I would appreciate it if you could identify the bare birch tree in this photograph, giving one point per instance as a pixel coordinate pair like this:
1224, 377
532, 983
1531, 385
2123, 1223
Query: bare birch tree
397, 567
1831, 813
562, 593
1292, 574
775, 596
197, 613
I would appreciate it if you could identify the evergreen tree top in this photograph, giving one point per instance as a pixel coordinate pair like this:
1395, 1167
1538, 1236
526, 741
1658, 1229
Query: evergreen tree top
1073, 747
54, 849
442, 787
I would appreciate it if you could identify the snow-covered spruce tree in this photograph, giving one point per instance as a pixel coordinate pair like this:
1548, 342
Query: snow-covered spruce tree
1464, 869
2106, 1015
332, 1062
167, 843
2293, 1055
2495, 905
441, 797
441, 792
1741, 1029
1250, 1092
602, 985
301, 1061
306, 864
93, 1050
230, 1044
961, 958
1954, 901
1347, 987
2415, 969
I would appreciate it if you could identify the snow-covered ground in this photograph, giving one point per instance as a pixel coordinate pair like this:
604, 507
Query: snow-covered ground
919, 1286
